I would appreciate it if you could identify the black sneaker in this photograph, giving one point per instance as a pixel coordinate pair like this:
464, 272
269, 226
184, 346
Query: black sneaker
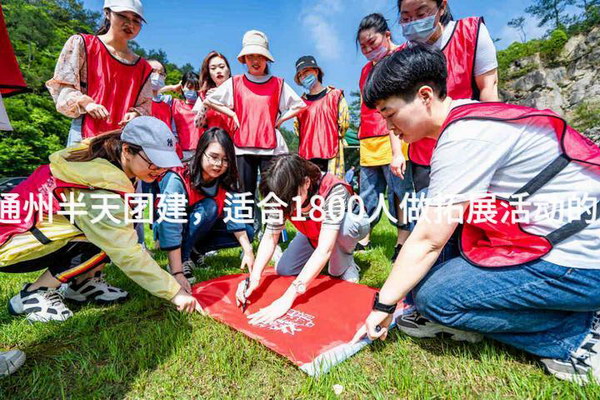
362, 247
187, 267
396, 252
583, 366
416, 325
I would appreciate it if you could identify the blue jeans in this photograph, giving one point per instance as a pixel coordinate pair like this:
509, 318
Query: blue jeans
375, 180
211, 232
540, 307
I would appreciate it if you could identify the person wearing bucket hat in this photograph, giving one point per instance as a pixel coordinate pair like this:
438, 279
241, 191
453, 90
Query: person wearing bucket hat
258, 103
98, 80
88, 224
321, 126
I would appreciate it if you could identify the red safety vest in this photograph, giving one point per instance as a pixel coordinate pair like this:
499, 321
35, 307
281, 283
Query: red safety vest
502, 244
319, 129
460, 52
40, 183
162, 111
183, 117
312, 229
194, 196
215, 119
256, 106
111, 83
372, 124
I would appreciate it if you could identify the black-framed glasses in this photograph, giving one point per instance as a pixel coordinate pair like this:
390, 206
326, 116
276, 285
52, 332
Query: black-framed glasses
216, 161
151, 165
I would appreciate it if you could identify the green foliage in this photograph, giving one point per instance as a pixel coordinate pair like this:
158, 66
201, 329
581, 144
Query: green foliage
290, 138
586, 115
552, 46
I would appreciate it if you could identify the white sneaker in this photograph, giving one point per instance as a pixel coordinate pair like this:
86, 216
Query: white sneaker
41, 305
416, 325
186, 267
352, 274
94, 289
583, 366
10, 361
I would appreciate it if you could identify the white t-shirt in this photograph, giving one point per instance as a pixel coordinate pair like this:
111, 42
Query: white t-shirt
475, 157
289, 100
485, 57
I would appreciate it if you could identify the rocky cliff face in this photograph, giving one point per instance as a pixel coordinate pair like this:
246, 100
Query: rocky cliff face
563, 84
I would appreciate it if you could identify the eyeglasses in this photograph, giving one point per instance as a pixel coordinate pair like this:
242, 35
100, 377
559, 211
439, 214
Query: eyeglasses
151, 165
134, 21
216, 160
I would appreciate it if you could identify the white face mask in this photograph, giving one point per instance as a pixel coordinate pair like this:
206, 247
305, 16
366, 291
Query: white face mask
157, 81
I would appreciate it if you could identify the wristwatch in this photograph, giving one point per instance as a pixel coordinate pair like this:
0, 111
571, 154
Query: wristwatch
299, 286
386, 308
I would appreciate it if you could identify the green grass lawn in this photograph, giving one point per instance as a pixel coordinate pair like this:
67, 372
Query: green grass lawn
145, 349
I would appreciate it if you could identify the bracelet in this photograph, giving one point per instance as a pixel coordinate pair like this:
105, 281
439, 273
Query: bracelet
177, 273
386, 308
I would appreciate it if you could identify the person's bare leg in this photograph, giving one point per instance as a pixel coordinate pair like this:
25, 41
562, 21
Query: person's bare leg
45, 280
89, 274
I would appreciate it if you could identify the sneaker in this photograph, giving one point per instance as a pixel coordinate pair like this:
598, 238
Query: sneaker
352, 274
396, 252
94, 289
41, 305
187, 267
416, 325
10, 361
363, 247
583, 366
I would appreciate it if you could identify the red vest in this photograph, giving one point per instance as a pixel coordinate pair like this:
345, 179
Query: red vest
11, 79
194, 196
319, 129
256, 106
502, 244
372, 124
111, 83
312, 229
460, 52
162, 111
40, 183
215, 119
183, 117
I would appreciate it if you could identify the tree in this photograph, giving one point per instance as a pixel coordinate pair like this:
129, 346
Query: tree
550, 11
519, 25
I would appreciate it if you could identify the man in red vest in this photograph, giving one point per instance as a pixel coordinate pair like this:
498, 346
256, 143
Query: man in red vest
527, 276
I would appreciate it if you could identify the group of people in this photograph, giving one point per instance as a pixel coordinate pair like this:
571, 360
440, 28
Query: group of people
431, 123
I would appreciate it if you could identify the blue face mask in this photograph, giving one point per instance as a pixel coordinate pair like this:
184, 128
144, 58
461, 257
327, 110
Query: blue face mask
190, 95
309, 82
157, 81
420, 30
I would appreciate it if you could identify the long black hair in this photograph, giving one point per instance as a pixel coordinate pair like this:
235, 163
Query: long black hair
230, 179
105, 27
444, 19
375, 21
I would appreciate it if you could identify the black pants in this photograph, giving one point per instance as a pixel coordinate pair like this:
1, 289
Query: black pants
248, 166
66, 263
322, 163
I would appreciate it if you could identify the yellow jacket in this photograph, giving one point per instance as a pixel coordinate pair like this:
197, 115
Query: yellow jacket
117, 239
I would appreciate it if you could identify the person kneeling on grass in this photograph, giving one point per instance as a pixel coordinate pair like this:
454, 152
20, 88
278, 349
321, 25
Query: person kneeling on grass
543, 293
205, 182
86, 225
324, 236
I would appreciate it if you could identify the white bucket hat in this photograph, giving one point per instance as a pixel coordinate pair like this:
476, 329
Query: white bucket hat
126, 5
255, 42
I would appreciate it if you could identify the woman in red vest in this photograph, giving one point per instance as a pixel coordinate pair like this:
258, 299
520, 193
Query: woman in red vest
183, 115
83, 223
161, 103
321, 126
258, 103
329, 223
205, 183
99, 81
214, 72
472, 63
526, 276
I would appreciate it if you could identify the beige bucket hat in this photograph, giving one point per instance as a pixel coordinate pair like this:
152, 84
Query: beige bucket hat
255, 42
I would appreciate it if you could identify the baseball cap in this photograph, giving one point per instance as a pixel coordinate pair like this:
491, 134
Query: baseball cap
155, 138
126, 5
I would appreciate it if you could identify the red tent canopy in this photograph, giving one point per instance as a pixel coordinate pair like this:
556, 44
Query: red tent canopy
11, 79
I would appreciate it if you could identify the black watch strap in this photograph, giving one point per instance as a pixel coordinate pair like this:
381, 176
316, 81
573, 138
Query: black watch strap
383, 307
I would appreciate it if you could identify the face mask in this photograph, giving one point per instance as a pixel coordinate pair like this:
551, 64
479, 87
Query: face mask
309, 81
420, 30
157, 81
190, 95
378, 54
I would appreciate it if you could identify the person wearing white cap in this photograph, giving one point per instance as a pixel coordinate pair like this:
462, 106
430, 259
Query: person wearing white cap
258, 103
98, 80
72, 243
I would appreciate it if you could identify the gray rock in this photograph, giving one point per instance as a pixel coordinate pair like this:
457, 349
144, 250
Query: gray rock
594, 134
